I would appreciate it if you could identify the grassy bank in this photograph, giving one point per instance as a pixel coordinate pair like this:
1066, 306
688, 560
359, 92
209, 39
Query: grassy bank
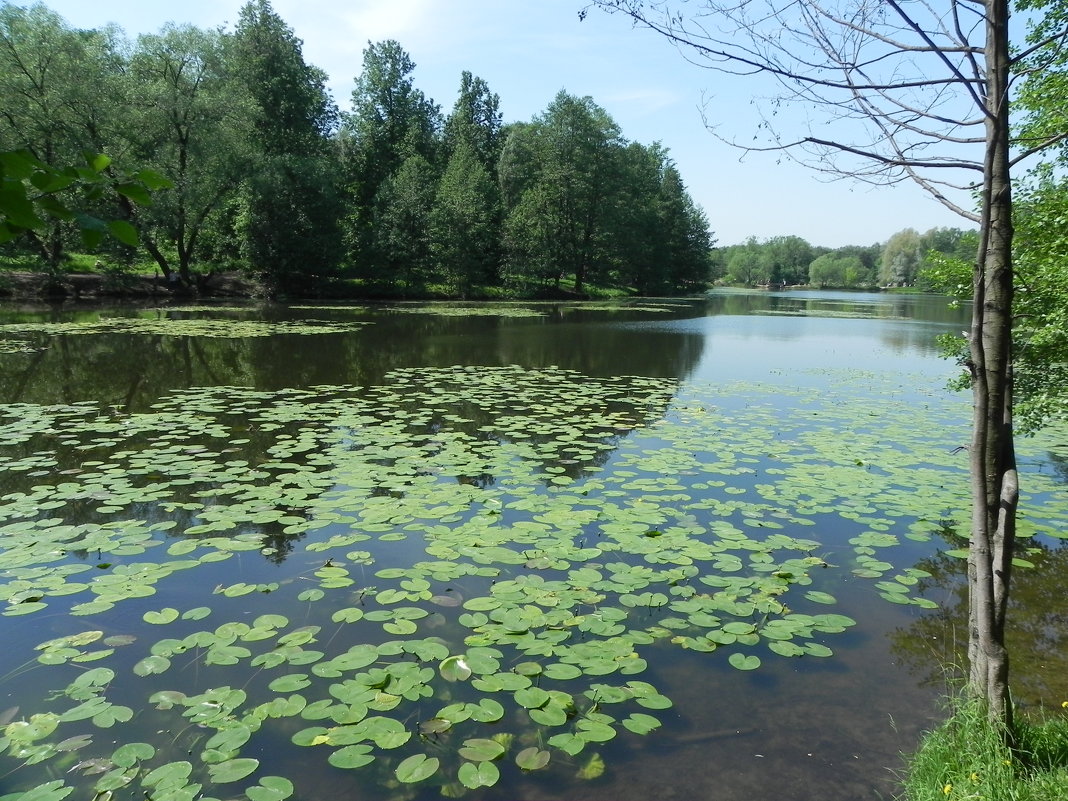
966, 758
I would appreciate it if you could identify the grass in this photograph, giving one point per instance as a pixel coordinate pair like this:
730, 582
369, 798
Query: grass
966, 758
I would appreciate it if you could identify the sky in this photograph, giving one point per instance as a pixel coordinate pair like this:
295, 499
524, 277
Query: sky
528, 50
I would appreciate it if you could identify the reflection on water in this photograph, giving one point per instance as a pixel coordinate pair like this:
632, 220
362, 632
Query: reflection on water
795, 728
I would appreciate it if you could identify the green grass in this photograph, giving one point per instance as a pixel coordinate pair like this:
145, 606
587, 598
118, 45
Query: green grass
966, 758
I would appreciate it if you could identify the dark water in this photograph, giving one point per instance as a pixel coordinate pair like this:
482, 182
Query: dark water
794, 728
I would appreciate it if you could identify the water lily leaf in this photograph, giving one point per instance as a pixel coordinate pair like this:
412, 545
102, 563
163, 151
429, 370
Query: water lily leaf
416, 768
232, 770
482, 774
640, 723
128, 755
270, 788
168, 775
480, 749
486, 711
820, 597
290, 683
531, 697
54, 790
532, 758
744, 661
161, 617
352, 756
151, 665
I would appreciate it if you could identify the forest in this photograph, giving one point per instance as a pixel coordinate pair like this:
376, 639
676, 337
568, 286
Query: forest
267, 175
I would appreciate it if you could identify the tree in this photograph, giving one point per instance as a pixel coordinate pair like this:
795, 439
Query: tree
901, 260
463, 223
402, 223
191, 124
683, 227
748, 264
475, 118
60, 98
390, 122
917, 92
287, 216
567, 162
837, 270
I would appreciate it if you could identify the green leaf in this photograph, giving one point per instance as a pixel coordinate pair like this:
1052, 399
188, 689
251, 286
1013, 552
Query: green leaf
532, 758
454, 668
161, 617
135, 192
743, 661
352, 756
270, 788
49, 791
124, 232
233, 770
593, 769
151, 665
480, 749
482, 774
416, 768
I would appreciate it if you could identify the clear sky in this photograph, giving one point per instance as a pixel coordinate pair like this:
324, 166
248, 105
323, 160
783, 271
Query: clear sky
527, 50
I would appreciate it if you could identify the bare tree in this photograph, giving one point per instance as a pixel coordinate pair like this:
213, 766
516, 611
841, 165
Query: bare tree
906, 90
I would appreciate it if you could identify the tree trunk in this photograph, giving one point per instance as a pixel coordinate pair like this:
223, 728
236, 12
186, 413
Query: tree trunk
994, 481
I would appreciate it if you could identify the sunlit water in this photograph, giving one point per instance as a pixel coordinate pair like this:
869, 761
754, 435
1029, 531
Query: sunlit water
755, 394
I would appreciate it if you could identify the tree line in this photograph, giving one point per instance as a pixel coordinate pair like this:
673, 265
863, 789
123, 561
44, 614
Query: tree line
269, 176
906, 259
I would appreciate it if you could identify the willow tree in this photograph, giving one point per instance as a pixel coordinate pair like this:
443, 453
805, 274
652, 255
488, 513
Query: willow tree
905, 91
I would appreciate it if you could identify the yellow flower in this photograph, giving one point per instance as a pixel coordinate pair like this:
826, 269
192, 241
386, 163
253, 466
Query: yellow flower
975, 778
947, 789
1064, 704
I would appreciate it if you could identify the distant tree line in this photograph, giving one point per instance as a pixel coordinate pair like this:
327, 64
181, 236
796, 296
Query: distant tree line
271, 177
904, 260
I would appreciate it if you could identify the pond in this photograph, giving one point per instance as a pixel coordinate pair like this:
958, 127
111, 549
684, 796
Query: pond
667, 549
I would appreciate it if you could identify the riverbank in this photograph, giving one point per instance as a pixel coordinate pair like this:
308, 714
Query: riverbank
966, 758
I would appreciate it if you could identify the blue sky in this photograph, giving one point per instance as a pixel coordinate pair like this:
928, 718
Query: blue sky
527, 50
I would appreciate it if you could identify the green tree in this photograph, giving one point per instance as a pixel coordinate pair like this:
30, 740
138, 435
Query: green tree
476, 119
61, 99
390, 122
402, 211
838, 270
901, 259
571, 169
192, 124
748, 264
463, 224
687, 239
287, 219
789, 258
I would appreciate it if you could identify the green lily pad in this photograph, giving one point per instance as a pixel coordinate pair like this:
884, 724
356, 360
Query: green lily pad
416, 768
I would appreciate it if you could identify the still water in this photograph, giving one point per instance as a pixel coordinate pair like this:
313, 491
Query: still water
687, 549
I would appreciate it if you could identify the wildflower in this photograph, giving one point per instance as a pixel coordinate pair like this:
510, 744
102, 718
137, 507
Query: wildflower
974, 777
1064, 704
947, 789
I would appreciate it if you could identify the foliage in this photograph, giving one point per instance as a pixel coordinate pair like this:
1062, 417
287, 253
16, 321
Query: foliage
391, 121
838, 270
269, 177
191, 121
966, 757
289, 208
463, 222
